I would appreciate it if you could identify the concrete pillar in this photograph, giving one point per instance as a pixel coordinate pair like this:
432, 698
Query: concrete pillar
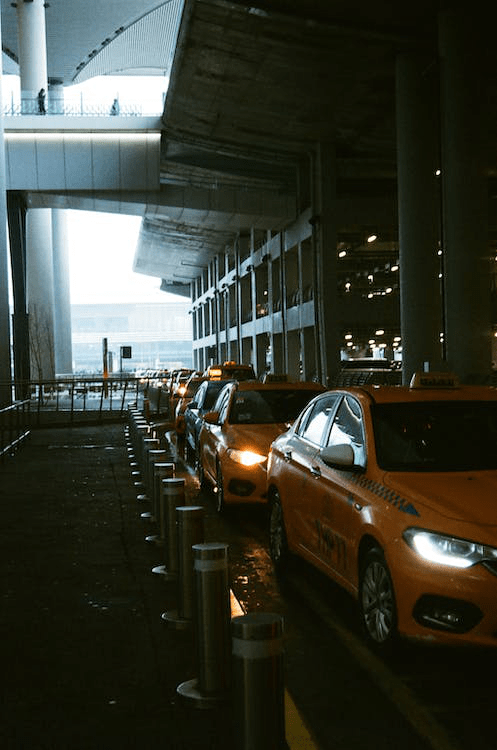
39, 261
308, 347
40, 285
278, 351
325, 248
32, 52
419, 204
5, 366
62, 296
293, 354
261, 347
463, 77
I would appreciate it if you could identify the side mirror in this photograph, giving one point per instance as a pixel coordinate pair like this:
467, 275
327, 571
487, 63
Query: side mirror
339, 456
211, 417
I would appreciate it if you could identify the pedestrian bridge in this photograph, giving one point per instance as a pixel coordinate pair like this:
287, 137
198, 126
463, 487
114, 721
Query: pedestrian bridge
82, 153
113, 164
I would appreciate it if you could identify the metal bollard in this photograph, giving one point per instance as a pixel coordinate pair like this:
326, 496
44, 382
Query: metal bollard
258, 682
173, 491
154, 455
162, 470
212, 627
146, 445
190, 531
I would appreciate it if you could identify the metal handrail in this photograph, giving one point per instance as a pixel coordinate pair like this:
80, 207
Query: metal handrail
71, 398
14, 426
73, 108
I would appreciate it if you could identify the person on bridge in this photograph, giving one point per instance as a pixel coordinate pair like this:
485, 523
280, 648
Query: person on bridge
41, 102
114, 110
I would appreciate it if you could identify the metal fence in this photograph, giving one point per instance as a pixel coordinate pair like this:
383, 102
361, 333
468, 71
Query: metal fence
75, 107
78, 399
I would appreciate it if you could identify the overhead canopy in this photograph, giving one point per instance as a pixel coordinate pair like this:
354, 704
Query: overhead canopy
253, 87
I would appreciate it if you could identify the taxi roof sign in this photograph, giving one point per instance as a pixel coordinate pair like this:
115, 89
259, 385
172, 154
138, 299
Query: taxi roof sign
434, 380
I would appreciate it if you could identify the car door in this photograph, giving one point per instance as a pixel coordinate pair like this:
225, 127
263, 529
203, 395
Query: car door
338, 527
212, 434
191, 416
302, 505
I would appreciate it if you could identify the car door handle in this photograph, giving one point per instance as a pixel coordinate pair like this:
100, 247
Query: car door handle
288, 456
316, 471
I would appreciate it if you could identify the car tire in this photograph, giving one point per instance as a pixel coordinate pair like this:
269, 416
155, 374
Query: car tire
219, 489
278, 545
377, 600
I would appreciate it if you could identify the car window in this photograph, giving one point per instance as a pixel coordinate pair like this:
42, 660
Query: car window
221, 404
312, 428
200, 393
347, 428
271, 406
213, 390
436, 436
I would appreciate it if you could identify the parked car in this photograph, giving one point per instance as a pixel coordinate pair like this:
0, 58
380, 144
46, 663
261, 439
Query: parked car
186, 393
391, 492
236, 435
230, 370
203, 402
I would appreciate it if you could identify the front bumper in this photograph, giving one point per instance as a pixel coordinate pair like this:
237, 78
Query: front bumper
444, 604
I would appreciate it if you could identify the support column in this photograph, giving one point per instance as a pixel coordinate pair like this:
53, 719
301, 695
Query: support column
32, 52
464, 69
20, 330
39, 260
62, 295
419, 213
5, 366
325, 244
40, 285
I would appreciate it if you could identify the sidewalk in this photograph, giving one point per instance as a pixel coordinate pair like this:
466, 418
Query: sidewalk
87, 661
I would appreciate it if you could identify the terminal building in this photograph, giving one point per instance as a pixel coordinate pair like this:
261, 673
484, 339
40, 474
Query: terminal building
157, 335
320, 184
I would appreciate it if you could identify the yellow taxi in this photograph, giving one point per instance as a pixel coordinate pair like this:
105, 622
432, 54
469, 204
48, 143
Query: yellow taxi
186, 393
235, 437
230, 371
391, 491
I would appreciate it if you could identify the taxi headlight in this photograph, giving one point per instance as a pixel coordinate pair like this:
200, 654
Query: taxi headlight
448, 550
246, 458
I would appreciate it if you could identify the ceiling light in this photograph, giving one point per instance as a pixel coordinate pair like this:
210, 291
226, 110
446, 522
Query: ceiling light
342, 253
379, 332
372, 237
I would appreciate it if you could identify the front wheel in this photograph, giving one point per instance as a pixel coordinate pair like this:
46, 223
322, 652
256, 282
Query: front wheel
377, 600
278, 545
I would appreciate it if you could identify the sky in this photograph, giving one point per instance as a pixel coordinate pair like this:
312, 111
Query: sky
102, 246
101, 252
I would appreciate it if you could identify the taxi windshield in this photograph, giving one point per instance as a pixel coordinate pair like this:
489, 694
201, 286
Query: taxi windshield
269, 406
436, 436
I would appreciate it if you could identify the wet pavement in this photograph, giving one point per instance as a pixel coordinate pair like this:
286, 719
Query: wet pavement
87, 661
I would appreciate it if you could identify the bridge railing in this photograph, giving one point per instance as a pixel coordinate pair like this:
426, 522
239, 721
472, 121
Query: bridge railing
76, 107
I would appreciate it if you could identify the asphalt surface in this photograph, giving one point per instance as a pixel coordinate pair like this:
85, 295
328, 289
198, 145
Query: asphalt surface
87, 661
